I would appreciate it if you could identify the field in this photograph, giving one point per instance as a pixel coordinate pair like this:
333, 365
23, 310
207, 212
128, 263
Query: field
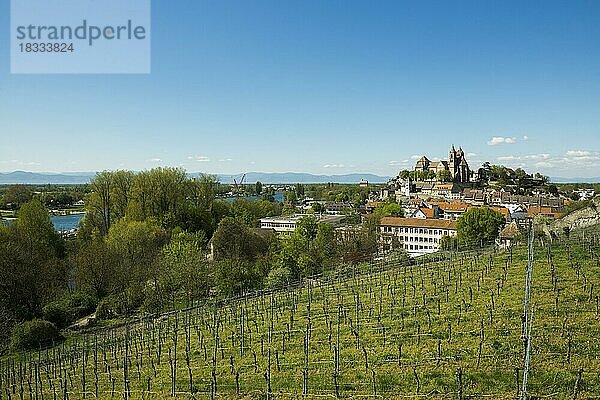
445, 328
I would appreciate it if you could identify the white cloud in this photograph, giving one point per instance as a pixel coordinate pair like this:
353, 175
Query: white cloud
572, 160
578, 153
496, 140
199, 158
525, 138
225, 160
156, 160
395, 163
334, 166
415, 157
543, 156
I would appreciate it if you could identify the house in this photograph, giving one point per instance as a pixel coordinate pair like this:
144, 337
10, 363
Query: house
363, 183
424, 187
446, 190
585, 194
548, 212
337, 207
417, 236
425, 212
450, 210
372, 205
518, 213
508, 235
474, 196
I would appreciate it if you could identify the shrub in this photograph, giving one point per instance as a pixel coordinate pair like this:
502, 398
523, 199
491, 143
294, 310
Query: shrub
115, 305
57, 312
33, 334
278, 278
69, 308
106, 308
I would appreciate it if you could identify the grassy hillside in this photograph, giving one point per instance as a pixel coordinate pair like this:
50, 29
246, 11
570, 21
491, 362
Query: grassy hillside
441, 329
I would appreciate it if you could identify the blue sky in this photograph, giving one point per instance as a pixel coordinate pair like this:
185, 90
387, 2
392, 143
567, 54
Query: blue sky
324, 87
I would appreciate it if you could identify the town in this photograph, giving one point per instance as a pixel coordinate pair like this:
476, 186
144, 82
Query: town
433, 196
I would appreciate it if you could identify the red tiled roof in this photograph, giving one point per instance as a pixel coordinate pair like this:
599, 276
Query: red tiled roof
551, 212
418, 223
429, 212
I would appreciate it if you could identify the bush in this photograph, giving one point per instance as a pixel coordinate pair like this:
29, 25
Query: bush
106, 308
33, 334
117, 305
57, 312
278, 278
69, 308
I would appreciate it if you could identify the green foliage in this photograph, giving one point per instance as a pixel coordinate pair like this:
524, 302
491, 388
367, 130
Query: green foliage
111, 307
235, 276
419, 322
338, 192
17, 195
31, 264
183, 270
448, 242
250, 212
388, 210
136, 242
575, 206
423, 175
98, 267
307, 227
291, 197
444, 176
66, 310
279, 277
478, 226
318, 208
234, 240
33, 334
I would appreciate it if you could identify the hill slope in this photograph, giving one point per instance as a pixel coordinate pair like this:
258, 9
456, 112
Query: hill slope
443, 329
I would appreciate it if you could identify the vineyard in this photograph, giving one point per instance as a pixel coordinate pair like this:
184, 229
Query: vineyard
449, 327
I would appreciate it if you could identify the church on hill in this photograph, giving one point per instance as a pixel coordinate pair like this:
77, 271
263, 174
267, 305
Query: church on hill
456, 164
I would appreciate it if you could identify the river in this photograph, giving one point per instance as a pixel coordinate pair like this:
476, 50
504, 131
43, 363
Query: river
64, 223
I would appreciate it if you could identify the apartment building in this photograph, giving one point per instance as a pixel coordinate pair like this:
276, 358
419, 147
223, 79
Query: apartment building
416, 235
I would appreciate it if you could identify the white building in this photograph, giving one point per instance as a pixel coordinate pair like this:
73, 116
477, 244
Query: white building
286, 224
416, 236
585, 194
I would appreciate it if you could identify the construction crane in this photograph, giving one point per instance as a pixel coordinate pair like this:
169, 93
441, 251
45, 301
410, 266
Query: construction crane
238, 185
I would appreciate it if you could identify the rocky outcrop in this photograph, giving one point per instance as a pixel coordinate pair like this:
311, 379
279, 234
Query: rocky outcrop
584, 218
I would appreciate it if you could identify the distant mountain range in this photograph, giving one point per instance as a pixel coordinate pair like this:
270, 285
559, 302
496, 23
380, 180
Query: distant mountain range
298, 177
35, 178
574, 180
74, 178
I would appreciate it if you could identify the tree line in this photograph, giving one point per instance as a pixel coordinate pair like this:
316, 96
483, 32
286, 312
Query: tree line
157, 240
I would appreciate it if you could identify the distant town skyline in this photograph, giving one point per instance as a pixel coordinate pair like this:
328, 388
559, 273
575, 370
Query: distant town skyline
324, 88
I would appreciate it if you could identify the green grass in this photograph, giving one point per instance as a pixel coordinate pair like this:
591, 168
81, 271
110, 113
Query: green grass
445, 305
